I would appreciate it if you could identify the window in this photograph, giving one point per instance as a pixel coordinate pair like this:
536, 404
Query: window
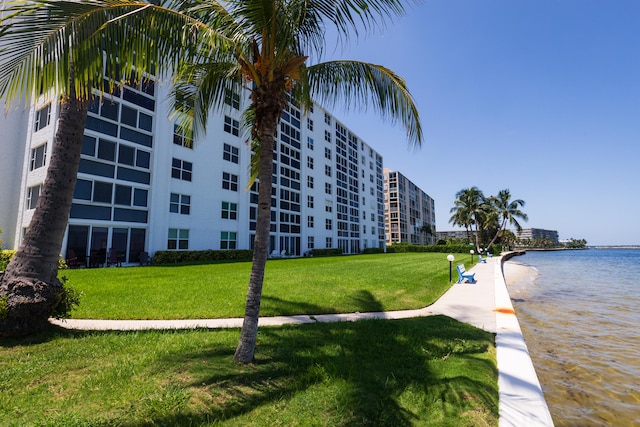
327, 188
229, 210
310, 143
180, 137
310, 242
309, 124
38, 157
32, 196
327, 136
42, 118
229, 181
327, 153
230, 153
232, 99
310, 202
231, 126
328, 208
328, 224
310, 162
178, 239
310, 182
327, 119
181, 169
227, 240
310, 221
327, 170
180, 203
328, 243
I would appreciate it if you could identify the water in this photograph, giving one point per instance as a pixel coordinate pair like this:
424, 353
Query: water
579, 315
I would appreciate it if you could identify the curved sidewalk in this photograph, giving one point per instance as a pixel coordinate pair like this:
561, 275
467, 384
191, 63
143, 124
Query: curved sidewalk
485, 304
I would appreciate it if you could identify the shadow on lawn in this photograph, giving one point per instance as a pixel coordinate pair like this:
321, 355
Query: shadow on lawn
363, 300
368, 364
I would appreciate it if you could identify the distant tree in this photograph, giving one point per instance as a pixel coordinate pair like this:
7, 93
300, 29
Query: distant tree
469, 211
506, 212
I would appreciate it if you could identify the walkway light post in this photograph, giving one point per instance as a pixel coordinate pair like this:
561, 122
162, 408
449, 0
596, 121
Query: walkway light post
450, 258
471, 252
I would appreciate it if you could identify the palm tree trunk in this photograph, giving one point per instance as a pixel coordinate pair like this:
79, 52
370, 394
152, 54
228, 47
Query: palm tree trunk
30, 283
266, 121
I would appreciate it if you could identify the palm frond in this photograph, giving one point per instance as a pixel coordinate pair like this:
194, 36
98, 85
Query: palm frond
364, 85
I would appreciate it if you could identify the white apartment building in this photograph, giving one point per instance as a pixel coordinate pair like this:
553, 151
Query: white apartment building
142, 186
407, 210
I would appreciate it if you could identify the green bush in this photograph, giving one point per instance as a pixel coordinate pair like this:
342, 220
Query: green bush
209, 255
326, 252
68, 299
5, 257
373, 251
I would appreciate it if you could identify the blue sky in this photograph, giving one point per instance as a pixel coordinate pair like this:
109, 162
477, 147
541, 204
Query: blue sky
538, 96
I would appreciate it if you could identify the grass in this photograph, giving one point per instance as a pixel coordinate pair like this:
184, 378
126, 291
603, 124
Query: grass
362, 283
431, 371
426, 372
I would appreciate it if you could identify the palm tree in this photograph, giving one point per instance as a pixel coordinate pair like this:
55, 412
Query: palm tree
468, 211
508, 212
262, 45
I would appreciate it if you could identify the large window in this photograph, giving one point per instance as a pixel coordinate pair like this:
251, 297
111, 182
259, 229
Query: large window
230, 153
180, 203
227, 240
181, 169
32, 196
232, 99
181, 138
178, 239
42, 118
38, 157
229, 181
231, 126
229, 210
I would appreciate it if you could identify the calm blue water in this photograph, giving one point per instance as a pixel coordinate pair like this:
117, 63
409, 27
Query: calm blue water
579, 315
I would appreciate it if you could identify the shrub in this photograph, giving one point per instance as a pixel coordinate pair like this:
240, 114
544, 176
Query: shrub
373, 251
68, 299
209, 255
326, 252
5, 257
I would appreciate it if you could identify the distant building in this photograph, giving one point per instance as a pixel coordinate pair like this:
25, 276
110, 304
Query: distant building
452, 234
537, 233
408, 211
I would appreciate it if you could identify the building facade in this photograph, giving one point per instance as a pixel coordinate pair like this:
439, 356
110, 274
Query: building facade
537, 233
453, 234
409, 212
144, 186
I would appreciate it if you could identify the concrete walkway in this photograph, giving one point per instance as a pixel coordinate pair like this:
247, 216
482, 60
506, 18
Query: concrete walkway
485, 304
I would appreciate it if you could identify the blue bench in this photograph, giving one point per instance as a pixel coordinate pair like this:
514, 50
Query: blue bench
463, 275
480, 259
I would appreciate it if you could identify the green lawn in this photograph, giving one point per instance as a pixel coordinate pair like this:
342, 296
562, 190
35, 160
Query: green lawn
431, 371
292, 286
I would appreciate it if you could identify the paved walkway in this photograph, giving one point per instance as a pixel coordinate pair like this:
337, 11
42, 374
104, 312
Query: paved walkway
485, 304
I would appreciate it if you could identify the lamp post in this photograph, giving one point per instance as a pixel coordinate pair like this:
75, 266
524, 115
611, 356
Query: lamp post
471, 252
450, 258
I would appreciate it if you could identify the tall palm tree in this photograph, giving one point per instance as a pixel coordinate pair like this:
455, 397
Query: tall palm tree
468, 211
508, 211
212, 47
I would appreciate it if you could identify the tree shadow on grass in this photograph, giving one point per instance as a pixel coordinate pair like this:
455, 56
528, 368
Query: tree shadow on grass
373, 372
362, 301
